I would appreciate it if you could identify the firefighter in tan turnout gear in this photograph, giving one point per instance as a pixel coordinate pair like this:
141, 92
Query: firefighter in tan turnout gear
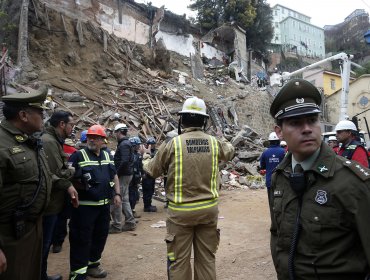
191, 163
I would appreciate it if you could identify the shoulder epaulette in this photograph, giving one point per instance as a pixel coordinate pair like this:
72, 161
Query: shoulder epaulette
362, 172
352, 147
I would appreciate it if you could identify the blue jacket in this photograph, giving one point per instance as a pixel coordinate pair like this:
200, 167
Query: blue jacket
270, 158
94, 175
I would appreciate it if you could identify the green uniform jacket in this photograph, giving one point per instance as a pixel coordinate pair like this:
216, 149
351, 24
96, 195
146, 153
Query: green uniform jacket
19, 178
57, 164
334, 241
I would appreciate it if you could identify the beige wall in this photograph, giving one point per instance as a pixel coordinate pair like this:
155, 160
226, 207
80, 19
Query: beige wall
358, 101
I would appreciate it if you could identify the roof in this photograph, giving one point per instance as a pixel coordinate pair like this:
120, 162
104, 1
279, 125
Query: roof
308, 23
291, 10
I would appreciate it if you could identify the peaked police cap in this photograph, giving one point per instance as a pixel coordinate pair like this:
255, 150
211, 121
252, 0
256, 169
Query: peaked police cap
297, 97
34, 99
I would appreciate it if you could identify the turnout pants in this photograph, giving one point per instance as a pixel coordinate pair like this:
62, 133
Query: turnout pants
203, 238
88, 232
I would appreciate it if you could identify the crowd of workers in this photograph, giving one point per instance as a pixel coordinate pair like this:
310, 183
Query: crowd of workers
319, 197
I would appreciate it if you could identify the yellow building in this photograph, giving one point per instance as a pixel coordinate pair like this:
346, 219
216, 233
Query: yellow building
358, 103
329, 82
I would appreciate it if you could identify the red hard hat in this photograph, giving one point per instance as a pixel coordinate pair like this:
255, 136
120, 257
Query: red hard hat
96, 129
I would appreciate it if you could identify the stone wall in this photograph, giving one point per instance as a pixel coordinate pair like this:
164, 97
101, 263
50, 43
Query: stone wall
252, 108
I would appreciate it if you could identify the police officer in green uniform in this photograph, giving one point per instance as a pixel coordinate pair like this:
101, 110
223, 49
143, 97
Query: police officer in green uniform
24, 186
321, 201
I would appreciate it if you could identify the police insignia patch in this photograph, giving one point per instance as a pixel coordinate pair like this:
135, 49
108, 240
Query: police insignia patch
321, 197
322, 168
19, 138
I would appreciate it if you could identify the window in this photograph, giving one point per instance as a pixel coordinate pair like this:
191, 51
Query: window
332, 84
276, 12
276, 24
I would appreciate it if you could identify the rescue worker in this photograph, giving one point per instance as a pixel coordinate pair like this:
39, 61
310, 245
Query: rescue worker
148, 182
346, 133
83, 140
284, 145
25, 186
136, 176
95, 177
191, 163
270, 158
61, 126
333, 143
123, 160
320, 201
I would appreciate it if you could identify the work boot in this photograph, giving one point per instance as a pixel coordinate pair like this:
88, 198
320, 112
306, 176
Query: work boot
55, 277
129, 227
151, 208
113, 230
136, 215
57, 248
96, 272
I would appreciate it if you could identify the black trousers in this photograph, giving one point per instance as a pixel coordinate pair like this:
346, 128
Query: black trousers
88, 232
148, 184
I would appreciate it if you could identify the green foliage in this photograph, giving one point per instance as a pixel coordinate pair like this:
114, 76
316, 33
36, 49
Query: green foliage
362, 71
254, 16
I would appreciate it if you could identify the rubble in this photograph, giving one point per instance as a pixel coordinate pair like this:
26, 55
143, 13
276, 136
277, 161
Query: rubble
118, 83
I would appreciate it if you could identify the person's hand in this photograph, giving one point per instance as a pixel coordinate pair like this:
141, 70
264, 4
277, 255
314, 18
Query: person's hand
143, 150
74, 196
117, 200
3, 264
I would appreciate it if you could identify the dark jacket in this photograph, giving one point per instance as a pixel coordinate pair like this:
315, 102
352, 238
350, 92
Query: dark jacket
334, 240
124, 157
53, 146
94, 175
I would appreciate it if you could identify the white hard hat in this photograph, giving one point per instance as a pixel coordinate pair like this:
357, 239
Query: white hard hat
194, 105
332, 138
345, 125
120, 126
273, 136
283, 143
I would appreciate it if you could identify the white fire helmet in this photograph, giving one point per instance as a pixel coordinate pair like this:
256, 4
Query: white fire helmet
345, 125
283, 144
273, 137
120, 126
194, 105
332, 138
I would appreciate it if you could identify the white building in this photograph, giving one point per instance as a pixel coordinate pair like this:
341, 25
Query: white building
294, 33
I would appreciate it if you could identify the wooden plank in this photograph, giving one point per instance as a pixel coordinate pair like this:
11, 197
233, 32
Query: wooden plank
160, 134
159, 105
47, 18
64, 24
105, 41
151, 105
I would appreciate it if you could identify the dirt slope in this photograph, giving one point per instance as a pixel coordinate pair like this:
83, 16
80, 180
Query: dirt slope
243, 254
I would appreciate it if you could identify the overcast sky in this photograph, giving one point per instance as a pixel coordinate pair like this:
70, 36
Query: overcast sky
322, 12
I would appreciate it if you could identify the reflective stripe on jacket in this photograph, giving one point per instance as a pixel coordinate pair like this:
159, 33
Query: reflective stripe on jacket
191, 162
96, 173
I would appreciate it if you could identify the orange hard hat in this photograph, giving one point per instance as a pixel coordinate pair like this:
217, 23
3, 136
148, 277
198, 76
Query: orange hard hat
96, 129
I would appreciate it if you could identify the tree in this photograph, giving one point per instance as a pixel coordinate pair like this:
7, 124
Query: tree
260, 33
254, 16
209, 14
